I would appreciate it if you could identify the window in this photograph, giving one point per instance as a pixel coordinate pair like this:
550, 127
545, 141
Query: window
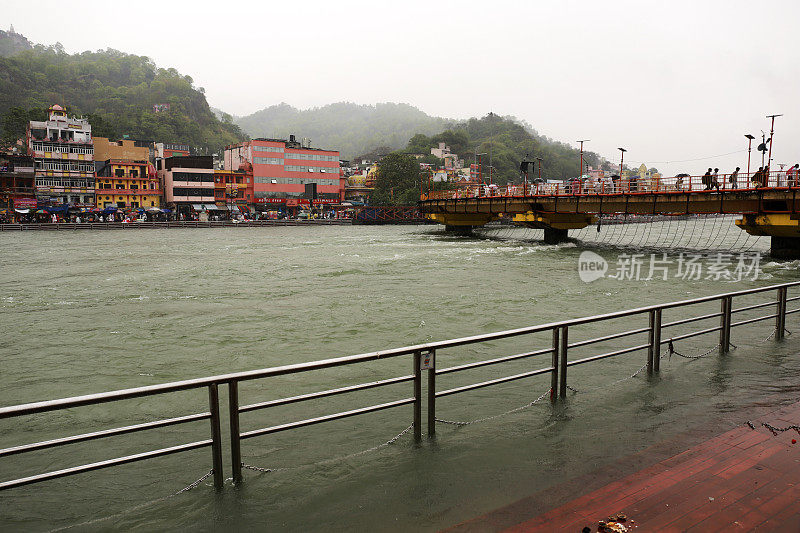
267, 161
119, 172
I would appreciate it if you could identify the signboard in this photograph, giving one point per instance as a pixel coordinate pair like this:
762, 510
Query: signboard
426, 360
24, 203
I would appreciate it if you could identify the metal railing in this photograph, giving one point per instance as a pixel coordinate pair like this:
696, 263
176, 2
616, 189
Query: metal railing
740, 182
423, 360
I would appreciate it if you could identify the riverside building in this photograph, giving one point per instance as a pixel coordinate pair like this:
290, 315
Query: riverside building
63, 159
188, 183
125, 177
233, 190
282, 169
16, 182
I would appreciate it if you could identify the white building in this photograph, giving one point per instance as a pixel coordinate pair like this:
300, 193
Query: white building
63, 156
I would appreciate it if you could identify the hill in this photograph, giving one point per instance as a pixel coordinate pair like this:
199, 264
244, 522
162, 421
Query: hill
350, 128
119, 93
508, 141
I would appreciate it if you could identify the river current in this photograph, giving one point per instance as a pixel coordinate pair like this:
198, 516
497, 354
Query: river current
92, 311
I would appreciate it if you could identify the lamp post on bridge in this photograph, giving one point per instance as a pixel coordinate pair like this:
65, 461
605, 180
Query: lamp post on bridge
771, 135
580, 169
749, 147
539, 160
621, 159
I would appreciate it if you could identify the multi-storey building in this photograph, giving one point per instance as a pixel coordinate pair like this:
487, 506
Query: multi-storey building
63, 159
188, 183
233, 189
127, 183
17, 182
282, 169
125, 177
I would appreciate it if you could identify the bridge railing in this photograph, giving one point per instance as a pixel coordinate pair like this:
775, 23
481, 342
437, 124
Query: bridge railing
628, 185
428, 358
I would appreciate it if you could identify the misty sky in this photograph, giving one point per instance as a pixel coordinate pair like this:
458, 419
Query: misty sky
669, 81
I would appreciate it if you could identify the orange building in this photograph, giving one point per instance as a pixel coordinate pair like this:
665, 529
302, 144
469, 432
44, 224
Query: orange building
233, 189
126, 183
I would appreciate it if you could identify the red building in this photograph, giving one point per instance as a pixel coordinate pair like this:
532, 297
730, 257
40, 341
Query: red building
283, 168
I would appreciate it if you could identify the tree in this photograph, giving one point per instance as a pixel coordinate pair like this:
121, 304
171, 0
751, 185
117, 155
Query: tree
398, 181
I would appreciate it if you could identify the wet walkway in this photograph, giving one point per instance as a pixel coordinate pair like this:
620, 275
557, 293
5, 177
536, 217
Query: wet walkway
742, 480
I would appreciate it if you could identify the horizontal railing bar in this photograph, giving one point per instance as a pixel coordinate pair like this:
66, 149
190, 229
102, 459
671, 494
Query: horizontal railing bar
607, 337
793, 311
326, 418
493, 361
693, 319
608, 354
756, 306
50, 405
104, 433
493, 382
793, 298
323, 394
692, 334
103, 464
751, 320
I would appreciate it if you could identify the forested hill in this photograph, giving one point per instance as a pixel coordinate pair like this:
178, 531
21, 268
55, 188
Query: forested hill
117, 91
350, 128
508, 141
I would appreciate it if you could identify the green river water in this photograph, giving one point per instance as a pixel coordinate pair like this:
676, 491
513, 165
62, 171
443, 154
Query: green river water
93, 311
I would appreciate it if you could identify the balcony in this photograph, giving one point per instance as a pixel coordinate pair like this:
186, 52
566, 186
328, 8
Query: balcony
142, 192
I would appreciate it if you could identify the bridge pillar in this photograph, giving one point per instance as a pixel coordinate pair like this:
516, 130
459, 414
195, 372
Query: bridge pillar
784, 247
461, 230
555, 235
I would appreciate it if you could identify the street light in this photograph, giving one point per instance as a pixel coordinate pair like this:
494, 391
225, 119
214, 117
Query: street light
539, 159
771, 134
749, 146
580, 169
621, 159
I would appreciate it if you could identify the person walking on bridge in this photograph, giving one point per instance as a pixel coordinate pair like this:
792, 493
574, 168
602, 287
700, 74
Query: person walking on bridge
707, 180
715, 180
733, 179
792, 175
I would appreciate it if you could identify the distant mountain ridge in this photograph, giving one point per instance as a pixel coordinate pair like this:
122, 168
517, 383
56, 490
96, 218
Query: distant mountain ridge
353, 129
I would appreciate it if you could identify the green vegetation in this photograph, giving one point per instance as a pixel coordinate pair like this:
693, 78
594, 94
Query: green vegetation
116, 91
506, 142
350, 128
398, 180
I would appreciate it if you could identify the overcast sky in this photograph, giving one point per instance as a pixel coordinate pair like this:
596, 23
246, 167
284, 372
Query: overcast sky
667, 80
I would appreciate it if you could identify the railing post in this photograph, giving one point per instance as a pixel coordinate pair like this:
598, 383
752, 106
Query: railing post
725, 323
657, 342
216, 435
651, 337
236, 444
780, 315
554, 364
417, 397
562, 353
432, 396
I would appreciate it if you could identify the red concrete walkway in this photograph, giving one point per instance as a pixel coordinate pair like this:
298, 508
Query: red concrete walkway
741, 480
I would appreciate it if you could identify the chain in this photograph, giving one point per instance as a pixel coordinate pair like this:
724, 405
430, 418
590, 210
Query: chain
190, 486
187, 488
775, 430
672, 350
332, 460
774, 331
515, 410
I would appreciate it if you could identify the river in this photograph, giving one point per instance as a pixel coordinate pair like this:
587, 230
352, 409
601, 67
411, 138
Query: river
87, 311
